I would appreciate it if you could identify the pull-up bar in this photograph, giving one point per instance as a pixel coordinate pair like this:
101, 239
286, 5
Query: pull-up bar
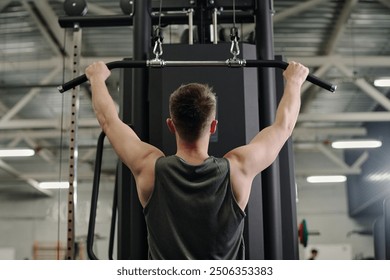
233, 63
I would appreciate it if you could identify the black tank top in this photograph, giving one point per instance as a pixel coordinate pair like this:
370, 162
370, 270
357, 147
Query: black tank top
192, 213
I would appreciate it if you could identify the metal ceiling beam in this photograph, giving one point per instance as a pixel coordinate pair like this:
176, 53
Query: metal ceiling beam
52, 23
15, 142
83, 176
357, 61
32, 182
340, 26
338, 164
6, 66
11, 66
385, 2
47, 133
345, 117
373, 93
3, 5
301, 133
307, 171
44, 153
43, 123
41, 27
360, 160
366, 87
3, 108
29, 96
296, 9
330, 154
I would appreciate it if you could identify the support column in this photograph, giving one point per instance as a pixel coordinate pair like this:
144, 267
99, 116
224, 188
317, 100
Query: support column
273, 241
132, 234
288, 187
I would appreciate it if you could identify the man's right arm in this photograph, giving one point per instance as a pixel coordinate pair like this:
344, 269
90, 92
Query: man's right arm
139, 156
249, 160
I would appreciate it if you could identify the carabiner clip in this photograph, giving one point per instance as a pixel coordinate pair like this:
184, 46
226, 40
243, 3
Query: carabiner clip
234, 49
157, 49
158, 38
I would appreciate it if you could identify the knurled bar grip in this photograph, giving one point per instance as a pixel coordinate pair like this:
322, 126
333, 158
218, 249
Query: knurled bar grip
229, 63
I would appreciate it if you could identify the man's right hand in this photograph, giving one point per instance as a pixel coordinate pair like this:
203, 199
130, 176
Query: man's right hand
296, 72
97, 70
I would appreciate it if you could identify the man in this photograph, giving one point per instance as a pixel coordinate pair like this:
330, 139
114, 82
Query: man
313, 254
194, 203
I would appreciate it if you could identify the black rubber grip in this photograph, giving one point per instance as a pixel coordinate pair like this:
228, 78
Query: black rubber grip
110, 65
283, 65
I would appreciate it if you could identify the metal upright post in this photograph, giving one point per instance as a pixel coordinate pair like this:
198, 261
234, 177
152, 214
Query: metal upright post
73, 149
142, 34
132, 234
288, 187
267, 106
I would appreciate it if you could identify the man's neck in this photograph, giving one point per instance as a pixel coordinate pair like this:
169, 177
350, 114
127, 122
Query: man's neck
194, 152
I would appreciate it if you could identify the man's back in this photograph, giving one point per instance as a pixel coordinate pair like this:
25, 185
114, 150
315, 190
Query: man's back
192, 213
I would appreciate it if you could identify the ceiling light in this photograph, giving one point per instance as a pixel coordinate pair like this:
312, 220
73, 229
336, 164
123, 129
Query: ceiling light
377, 177
356, 144
16, 152
54, 185
327, 179
385, 82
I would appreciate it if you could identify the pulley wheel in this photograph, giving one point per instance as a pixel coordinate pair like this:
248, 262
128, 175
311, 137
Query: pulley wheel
75, 7
127, 6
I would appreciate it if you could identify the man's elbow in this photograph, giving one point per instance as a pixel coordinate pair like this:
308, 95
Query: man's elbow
289, 130
285, 130
105, 124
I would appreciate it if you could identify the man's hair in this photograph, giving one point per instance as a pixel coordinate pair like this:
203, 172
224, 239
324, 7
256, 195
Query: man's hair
191, 107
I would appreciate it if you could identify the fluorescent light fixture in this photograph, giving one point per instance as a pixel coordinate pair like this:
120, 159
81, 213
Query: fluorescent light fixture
378, 177
384, 82
356, 144
327, 179
16, 152
54, 185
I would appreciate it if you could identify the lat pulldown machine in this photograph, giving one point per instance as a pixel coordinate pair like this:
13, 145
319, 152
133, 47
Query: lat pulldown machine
132, 238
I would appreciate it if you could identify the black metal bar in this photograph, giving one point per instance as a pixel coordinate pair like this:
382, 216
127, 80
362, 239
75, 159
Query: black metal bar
283, 65
95, 196
95, 21
113, 217
136, 232
127, 20
273, 241
111, 65
161, 63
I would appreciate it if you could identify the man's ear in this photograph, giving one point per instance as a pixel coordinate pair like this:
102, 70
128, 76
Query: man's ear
213, 126
171, 125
